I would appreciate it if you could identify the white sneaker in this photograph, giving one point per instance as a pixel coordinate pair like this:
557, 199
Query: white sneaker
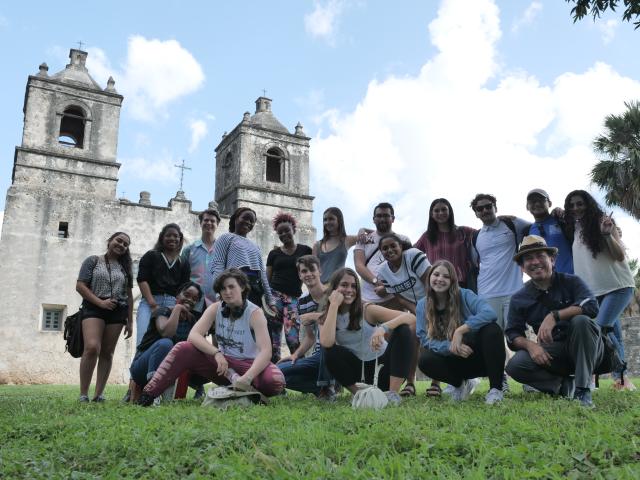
448, 390
494, 396
463, 392
394, 398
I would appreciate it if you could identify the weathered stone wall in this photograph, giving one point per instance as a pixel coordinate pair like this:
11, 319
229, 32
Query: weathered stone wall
631, 336
41, 269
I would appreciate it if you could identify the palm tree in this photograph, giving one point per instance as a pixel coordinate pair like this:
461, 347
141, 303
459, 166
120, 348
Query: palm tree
619, 174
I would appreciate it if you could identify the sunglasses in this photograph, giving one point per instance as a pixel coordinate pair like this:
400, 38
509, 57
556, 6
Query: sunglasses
480, 208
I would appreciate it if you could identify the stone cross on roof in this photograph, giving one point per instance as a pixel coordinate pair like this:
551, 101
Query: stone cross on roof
182, 169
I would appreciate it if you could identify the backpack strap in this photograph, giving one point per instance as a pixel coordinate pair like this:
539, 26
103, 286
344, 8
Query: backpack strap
366, 262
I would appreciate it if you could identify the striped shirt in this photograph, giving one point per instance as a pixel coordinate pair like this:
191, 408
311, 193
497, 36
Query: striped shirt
455, 250
235, 251
407, 281
306, 304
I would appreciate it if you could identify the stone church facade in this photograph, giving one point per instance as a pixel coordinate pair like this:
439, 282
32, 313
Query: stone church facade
61, 207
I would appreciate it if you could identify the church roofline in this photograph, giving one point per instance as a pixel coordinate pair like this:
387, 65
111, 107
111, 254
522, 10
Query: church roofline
245, 128
74, 86
49, 153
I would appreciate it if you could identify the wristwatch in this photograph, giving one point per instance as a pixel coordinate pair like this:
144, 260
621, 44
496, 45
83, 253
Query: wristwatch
374, 281
385, 327
556, 315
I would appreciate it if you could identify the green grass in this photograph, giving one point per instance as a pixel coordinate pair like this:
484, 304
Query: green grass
45, 433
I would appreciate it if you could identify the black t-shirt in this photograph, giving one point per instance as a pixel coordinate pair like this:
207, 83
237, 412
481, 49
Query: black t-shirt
162, 280
284, 277
152, 335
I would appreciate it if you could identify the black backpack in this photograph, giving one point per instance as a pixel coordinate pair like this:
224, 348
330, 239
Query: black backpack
509, 223
73, 335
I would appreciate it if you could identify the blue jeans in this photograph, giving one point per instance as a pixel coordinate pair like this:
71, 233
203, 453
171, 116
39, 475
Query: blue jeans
144, 365
307, 375
611, 306
144, 313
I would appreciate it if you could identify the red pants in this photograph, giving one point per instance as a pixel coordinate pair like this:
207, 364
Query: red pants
184, 356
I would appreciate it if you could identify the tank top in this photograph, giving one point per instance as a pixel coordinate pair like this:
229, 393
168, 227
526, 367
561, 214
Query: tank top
235, 337
357, 342
331, 261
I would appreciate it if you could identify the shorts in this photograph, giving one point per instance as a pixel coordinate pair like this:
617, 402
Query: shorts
111, 317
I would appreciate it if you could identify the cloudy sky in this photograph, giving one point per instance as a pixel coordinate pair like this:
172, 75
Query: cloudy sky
405, 101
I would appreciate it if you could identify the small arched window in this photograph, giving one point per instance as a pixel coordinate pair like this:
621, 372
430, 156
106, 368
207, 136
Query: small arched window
275, 165
72, 127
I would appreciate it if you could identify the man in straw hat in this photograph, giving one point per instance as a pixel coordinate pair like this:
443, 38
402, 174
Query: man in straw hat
560, 308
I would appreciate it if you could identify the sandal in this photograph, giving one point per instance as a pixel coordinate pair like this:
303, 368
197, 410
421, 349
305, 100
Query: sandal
434, 390
409, 390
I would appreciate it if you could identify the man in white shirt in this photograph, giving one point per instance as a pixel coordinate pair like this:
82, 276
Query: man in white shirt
368, 259
494, 246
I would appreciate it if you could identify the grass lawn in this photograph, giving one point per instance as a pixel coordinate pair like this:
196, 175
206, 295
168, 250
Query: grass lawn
46, 433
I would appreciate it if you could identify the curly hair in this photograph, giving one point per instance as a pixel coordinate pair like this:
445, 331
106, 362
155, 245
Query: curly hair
590, 223
284, 217
239, 211
442, 327
432, 226
482, 196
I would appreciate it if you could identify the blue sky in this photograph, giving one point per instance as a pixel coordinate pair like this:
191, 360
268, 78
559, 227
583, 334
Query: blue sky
414, 99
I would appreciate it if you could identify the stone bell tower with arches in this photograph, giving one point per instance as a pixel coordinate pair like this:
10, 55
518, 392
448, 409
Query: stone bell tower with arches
261, 165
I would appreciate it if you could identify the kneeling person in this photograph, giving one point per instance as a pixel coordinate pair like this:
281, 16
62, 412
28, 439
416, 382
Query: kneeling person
168, 326
309, 374
559, 307
243, 354
460, 335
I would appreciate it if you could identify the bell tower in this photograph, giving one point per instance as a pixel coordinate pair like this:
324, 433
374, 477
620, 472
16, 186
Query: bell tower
261, 165
70, 135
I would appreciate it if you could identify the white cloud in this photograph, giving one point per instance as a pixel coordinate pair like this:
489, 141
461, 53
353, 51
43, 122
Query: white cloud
527, 17
155, 74
447, 133
199, 130
322, 22
608, 29
161, 170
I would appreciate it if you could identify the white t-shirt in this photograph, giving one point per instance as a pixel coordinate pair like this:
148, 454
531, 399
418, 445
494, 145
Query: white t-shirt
602, 274
407, 281
499, 275
374, 264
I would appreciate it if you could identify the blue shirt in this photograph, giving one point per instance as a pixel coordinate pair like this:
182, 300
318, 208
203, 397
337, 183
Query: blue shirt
476, 313
551, 230
530, 305
199, 257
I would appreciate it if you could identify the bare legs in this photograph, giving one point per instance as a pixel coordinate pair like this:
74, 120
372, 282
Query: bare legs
99, 344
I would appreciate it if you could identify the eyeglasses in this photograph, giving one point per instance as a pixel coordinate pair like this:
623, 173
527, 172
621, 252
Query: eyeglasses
480, 208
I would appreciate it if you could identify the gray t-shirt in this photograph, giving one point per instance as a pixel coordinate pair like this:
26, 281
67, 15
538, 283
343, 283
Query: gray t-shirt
357, 342
235, 337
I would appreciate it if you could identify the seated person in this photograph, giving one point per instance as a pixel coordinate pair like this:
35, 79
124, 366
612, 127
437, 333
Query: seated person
168, 326
559, 307
460, 336
354, 335
242, 356
309, 375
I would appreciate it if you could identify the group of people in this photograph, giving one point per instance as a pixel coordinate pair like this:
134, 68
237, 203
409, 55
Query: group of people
453, 305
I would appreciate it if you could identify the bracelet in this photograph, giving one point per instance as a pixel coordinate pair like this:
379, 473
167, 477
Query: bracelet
218, 352
556, 315
385, 327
